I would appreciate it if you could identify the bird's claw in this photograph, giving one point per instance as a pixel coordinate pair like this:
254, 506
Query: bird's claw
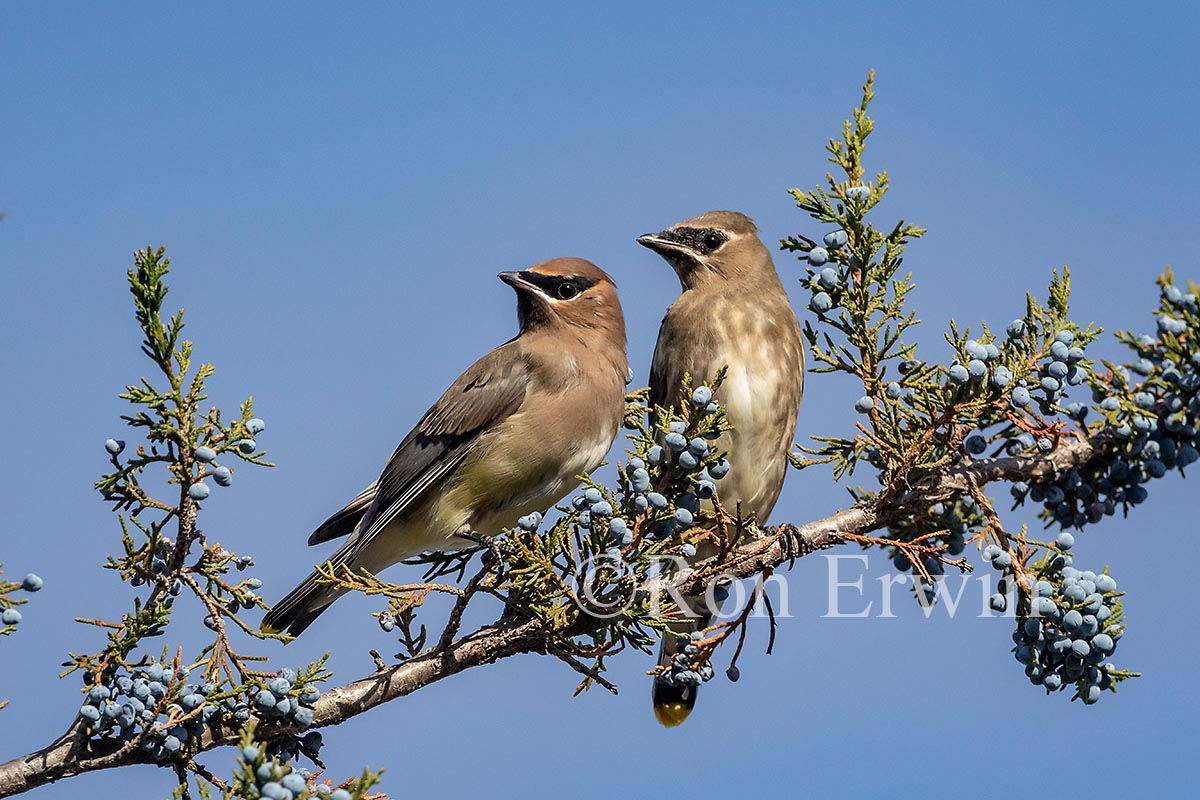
495, 546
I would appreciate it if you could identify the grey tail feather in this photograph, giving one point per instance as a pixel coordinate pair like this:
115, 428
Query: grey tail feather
303, 604
297, 610
344, 522
663, 694
340, 524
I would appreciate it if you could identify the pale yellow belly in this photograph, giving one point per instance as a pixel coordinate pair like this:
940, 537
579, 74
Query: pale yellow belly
514, 472
759, 442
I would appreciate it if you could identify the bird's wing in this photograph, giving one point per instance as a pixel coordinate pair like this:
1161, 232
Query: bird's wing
487, 393
665, 373
658, 370
344, 521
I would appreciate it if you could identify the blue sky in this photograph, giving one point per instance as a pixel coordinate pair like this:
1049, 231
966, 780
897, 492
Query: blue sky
338, 189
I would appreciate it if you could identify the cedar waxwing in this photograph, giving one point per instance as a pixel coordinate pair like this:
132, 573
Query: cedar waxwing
509, 437
734, 313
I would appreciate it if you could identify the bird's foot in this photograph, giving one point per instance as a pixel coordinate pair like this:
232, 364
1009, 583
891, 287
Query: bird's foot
496, 547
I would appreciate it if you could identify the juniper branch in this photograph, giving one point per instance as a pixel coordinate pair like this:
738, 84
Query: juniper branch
762, 549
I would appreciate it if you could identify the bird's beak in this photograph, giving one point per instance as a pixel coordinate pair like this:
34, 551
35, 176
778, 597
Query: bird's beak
517, 280
663, 242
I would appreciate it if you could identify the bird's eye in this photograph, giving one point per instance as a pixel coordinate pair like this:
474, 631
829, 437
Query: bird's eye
567, 290
712, 241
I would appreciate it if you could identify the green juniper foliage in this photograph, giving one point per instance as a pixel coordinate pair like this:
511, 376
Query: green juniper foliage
1028, 406
1009, 394
141, 700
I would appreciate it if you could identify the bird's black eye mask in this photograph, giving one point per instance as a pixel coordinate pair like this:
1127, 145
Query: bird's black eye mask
699, 240
558, 286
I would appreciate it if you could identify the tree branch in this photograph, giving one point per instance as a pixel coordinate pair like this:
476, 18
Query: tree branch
766, 548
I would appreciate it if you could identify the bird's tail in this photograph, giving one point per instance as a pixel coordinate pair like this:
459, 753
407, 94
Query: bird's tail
303, 604
297, 610
673, 702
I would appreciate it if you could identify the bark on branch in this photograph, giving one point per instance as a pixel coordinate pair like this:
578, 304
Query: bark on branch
767, 548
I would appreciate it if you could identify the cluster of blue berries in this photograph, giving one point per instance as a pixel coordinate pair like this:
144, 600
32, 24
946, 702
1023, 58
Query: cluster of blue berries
280, 698
955, 518
1176, 304
131, 703
682, 670
1156, 432
1086, 494
1071, 626
979, 356
9, 616
1055, 374
223, 476
691, 471
1070, 633
275, 779
826, 280
984, 365
1047, 386
593, 505
289, 748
